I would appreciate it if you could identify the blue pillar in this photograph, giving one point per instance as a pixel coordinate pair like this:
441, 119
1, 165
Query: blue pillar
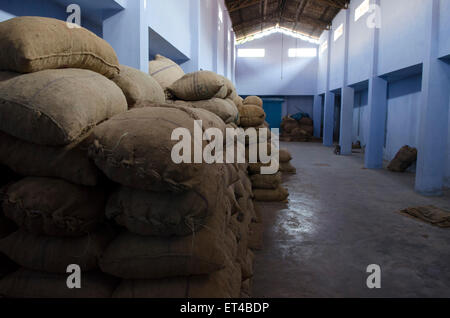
127, 32
347, 106
317, 115
377, 122
328, 121
434, 105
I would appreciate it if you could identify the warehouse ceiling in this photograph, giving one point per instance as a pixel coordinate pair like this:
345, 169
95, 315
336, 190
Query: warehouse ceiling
307, 17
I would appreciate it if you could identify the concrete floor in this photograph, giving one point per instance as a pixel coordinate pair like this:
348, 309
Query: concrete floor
340, 218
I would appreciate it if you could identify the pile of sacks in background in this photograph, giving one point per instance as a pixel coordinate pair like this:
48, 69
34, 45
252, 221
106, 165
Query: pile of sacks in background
297, 128
98, 187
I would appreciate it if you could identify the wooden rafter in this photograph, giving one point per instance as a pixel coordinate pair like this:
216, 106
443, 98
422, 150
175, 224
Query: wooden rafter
238, 5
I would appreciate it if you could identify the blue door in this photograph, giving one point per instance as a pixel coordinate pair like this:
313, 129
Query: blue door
273, 108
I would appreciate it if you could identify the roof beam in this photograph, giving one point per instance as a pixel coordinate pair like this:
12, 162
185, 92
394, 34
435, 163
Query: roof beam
335, 3
238, 5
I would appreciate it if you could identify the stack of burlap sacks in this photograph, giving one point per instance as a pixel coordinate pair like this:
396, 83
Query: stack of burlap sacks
99, 188
297, 130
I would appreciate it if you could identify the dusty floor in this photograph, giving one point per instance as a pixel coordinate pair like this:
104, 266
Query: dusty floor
340, 218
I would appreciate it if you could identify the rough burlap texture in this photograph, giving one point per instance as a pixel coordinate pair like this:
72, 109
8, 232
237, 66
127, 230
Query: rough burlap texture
221, 107
404, 158
276, 195
31, 44
134, 148
266, 181
52, 254
138, 87
200, 85
165, 71
251, 116
285, 155
253, 100
225, 283
287, 167
70, 163
54, 207
132, 256
56, 107
166, 214
32, 284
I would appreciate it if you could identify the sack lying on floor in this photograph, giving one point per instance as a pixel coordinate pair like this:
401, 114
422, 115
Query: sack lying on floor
285, 155
56, 107
255, 168
306, 121
70, 163
32, 284
288, 125
134, 148
138, 87
253, 100
277, 195
166, 214
225, 283
405, 157
221, 107
165, 71
53, 254
287, 167
251, 116
246, 288
132, 256
54, 207
255, 238
247, 265
31, 44
429, 214
199, 86
266, 181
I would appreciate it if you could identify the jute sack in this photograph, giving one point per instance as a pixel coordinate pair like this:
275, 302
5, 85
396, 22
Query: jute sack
221, 107
246, 288
285, 155
138, 87
70, 163
253, 100
56, 107
277, 195
31, 44
199, 86
132, 256
134, 148
225, 283
405, 157
247, 265
256, 236
306, 121
268, 181
52, 254
255, 168
54, 207
251, 116
288, 125
231, 89
166, 214
32, 284
287, 167
165, 71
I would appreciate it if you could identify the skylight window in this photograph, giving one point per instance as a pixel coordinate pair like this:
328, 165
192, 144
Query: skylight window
302, 52
362, 9
220, 15
251, 52
339, 32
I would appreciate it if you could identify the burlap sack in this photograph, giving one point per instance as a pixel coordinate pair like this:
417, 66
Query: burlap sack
287, 167
52, 254
167, 214
405, 157
54, 207
31, 284
277, 195
199, 86
309, 130
288, 125
306, 121
247, 265
256, 236
31, 44
134, 148
255, 168
225, 283
56, 107
231, 89
251, 116
253, 100
285, 155
165, 71
266, 181
70, 163
132, 256
246, 288
221, 107
138, 87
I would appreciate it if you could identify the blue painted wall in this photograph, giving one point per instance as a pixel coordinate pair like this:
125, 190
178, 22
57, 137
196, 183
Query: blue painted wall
276, 73
444, 28
337, 61
322, 65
